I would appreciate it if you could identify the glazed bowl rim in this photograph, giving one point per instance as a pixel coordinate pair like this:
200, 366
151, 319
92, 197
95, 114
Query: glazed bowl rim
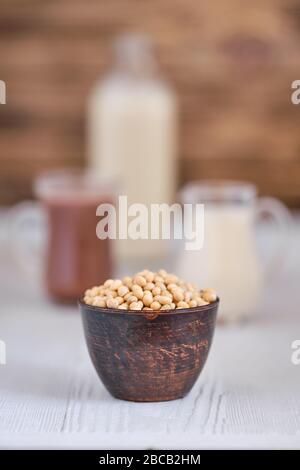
149, 313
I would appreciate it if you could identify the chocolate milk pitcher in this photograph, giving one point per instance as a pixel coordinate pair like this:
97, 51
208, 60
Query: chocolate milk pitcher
73, 256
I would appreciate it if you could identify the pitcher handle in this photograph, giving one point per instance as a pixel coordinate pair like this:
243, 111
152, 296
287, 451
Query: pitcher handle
281, 216
28, 254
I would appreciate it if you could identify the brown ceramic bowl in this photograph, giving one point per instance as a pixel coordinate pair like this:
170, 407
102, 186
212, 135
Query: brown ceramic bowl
142, 357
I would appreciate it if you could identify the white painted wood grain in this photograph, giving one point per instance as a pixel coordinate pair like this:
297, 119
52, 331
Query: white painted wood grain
50, 395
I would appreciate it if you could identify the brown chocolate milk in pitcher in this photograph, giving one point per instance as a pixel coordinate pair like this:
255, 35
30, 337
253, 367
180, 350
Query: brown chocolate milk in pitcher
75, 257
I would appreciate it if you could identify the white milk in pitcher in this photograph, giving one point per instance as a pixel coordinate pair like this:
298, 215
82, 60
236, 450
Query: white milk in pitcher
228, 260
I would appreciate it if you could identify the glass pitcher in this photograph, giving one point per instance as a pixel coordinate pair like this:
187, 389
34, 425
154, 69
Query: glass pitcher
229, 260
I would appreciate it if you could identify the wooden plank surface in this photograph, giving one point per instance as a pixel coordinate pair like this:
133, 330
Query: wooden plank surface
50, 396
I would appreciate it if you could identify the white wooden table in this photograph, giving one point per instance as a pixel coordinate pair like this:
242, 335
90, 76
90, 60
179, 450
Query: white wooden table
248, 395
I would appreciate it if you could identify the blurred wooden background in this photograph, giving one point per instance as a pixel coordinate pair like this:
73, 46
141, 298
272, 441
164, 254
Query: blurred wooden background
232, 63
